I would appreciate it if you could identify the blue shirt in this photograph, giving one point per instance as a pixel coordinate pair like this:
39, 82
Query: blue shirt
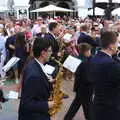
2, 46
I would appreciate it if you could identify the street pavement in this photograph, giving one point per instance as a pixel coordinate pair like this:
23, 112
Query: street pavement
10, 108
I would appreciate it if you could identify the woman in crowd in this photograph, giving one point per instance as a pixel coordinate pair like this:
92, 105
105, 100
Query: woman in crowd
2, 56
20, 52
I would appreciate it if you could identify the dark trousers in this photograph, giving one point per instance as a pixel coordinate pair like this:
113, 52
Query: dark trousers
106, 112
83, 98
2, 99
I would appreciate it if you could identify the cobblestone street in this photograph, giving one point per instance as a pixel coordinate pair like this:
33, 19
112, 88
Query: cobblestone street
10, 109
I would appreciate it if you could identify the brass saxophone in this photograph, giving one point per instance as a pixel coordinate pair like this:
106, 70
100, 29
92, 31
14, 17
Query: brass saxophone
57, 95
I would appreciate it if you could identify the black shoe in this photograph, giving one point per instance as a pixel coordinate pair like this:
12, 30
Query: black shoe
65, 96
3, 100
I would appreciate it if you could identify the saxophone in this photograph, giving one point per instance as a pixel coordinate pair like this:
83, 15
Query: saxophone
57, 95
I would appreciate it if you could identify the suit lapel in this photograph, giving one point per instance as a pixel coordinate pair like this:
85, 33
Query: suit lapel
52, 36
43, 76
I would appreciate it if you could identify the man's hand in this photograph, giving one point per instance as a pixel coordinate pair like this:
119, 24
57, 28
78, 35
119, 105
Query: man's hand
12, 47
59, 54
51, 80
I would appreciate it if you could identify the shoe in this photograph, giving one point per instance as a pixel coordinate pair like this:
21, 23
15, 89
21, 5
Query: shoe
65, 96
3, 100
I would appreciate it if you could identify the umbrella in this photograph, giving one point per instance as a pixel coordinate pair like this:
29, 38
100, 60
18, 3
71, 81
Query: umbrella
98, 11
52, 8
116, 11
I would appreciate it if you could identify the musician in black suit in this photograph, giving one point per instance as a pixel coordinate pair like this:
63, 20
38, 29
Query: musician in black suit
85, 37
53, 30
82, 86
105, 73
34, 104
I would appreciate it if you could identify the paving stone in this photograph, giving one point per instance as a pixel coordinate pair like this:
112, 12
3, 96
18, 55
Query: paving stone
10, 109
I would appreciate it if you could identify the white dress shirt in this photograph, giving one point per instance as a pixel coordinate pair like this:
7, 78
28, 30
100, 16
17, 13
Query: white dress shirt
42, 66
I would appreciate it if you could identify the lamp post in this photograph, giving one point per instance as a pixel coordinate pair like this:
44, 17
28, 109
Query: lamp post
94, 1
10, 5
109, 10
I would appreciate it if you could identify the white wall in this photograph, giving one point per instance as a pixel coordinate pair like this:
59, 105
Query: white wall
21, 2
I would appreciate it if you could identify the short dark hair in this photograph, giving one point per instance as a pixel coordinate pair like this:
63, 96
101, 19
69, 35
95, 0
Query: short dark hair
107, 38
39, 45
83, 47
52, 25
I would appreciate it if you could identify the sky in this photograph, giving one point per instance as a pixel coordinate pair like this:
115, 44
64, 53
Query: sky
17, 2
26, 2
23, 2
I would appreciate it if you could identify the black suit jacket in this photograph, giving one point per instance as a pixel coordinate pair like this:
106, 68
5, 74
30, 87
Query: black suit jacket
106, 75
84, 38
82, 81
54, 44
35, 94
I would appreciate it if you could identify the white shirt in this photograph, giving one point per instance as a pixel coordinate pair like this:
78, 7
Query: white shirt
42, 66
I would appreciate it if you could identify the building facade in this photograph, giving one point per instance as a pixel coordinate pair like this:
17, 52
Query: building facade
70, 4
14, 8
21, 11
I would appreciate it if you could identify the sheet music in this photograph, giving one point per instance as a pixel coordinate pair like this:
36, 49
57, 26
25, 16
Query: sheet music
10, 64
49, 69
13, 95
72, 63
67, 37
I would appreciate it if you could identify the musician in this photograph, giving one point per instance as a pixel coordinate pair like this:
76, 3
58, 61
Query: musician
85, 37
53, 30
56, 53
34, 104
105, 73
82, 85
